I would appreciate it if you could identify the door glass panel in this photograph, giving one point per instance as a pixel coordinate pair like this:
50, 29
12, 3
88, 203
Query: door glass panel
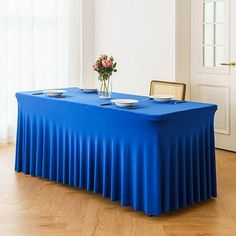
220, 12
219, 34
208, 12
208, 53
209, 34
219, 55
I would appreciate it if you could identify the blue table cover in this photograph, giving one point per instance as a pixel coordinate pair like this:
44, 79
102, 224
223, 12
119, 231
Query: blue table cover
156, 158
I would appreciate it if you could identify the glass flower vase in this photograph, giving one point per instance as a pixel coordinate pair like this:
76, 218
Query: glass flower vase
104, 87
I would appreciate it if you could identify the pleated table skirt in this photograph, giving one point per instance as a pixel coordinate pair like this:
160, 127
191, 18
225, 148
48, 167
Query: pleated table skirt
152, 166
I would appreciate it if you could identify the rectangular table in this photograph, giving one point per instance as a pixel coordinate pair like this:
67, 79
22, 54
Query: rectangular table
156, 158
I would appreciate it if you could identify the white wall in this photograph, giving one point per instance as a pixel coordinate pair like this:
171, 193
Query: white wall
141, 36
87, 42
183, 43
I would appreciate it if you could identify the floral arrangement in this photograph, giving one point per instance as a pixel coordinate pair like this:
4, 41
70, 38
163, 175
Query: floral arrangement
105, 66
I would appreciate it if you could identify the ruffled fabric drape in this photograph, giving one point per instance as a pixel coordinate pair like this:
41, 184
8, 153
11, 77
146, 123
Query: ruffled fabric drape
153, 165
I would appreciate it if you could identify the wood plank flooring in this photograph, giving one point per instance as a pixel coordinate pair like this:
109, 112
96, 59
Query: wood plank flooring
36, 207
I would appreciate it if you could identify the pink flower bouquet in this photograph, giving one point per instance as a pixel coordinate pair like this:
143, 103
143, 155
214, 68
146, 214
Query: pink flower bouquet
105, 66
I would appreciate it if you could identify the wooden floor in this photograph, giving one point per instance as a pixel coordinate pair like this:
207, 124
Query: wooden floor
32, 206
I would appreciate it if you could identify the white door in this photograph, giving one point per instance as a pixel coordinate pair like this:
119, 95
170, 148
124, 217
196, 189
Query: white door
214, 44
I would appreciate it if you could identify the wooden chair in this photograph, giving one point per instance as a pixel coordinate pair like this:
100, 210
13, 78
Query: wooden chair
171, 88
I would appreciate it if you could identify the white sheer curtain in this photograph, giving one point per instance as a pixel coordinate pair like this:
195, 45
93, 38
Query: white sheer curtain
39, 48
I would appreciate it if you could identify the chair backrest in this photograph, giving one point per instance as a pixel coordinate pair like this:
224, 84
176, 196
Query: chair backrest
168, 88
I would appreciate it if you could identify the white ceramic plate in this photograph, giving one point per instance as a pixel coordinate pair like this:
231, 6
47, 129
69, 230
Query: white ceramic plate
124, 102
54, 92
89, 90
162, 98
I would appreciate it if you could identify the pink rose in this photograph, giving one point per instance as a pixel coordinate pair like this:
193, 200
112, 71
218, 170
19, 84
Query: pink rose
107, 63
95, 66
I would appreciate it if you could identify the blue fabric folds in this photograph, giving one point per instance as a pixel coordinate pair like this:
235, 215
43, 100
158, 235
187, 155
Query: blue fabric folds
156, 158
